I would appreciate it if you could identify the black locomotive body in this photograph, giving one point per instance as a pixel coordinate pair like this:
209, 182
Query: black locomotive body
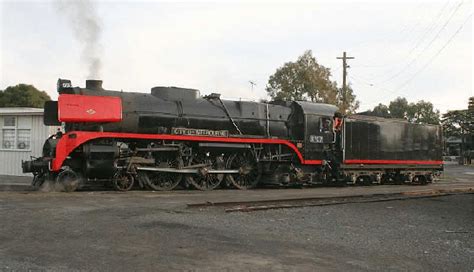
174, 136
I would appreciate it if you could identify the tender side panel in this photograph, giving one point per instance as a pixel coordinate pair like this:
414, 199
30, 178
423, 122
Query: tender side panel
383, 141
81, 108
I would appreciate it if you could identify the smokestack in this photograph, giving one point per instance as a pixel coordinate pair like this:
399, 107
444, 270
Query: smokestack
93, 84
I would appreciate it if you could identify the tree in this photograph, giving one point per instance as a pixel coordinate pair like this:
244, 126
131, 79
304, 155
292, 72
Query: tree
421, 112
458, 122
398, 108
350, 105
305, 79
381, 110
23, 95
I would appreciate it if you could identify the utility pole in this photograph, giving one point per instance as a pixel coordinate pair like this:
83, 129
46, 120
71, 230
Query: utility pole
344, 76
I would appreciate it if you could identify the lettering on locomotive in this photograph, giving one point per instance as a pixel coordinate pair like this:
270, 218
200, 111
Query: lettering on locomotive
200, 132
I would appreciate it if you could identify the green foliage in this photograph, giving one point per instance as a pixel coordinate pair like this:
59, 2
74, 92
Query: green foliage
351, 104
398, 108
421, 112
23, 95
458, 122
381, 110
305, 79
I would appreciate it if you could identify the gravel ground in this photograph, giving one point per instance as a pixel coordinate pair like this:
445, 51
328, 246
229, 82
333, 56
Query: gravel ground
123, 232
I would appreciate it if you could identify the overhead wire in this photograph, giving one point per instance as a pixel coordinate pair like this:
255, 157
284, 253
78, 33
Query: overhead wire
407, 28
436, 54
418, 41
413, 76
409, 64
432, 26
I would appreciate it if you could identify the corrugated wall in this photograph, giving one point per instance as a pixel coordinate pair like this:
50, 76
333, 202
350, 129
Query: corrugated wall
10, 160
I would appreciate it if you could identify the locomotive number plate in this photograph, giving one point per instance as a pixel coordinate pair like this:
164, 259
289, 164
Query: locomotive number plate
200, 132
315, 139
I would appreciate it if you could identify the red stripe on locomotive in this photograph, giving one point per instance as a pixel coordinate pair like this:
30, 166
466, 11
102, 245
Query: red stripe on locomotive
72, 140
392, 162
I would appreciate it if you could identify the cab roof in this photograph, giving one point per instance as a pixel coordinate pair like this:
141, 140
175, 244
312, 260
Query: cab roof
310, 108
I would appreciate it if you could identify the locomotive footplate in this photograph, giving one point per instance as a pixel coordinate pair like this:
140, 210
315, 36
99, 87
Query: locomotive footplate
188, 170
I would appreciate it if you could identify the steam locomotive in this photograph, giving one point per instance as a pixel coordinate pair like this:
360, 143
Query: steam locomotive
176, 137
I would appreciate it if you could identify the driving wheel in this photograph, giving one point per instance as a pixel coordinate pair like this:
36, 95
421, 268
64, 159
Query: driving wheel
249, 173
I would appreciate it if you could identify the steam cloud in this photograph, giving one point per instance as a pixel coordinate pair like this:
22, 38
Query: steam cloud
86, 25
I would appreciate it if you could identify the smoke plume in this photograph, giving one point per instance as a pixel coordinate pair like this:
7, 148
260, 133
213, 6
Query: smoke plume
85, 22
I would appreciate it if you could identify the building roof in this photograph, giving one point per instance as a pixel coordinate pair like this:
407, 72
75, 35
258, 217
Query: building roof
20, 111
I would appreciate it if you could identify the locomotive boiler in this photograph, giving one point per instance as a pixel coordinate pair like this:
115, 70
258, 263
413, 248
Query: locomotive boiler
174, 136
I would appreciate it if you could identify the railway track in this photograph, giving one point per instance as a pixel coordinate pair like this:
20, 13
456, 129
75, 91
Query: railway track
288, 203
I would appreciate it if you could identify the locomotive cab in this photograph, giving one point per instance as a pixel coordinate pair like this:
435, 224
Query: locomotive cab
319, 136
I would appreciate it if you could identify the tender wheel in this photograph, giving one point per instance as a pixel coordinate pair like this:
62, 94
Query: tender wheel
364, 180
249, 172
399, 179
123, 181
162, 181
420, 180
203, 180
68, 180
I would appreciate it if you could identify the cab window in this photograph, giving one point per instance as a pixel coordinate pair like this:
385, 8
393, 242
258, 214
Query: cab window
325, 124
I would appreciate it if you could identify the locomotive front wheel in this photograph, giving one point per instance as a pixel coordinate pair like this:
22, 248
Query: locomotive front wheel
162, 181
249, 173
38, 180
123, 181
204, 181
68, 180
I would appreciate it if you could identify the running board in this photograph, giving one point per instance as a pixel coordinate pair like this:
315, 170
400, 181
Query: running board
188, 171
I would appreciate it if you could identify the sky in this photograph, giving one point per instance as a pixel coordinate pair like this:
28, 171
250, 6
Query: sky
421, 50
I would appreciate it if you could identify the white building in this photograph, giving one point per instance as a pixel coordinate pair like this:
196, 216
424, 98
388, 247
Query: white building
22, 135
